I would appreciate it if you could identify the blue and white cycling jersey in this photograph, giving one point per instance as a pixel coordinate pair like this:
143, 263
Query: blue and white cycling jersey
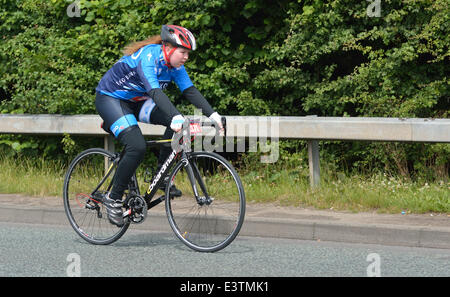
133, 76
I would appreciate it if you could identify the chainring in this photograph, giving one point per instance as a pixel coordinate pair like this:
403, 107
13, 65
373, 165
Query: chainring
138, 208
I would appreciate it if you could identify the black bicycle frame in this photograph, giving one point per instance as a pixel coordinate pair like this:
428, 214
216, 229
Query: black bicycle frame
192, 172
158, 179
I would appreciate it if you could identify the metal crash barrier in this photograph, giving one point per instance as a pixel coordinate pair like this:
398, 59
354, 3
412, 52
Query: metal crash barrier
253, 130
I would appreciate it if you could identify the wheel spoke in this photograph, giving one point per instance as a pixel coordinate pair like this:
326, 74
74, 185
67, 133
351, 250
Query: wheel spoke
85, 212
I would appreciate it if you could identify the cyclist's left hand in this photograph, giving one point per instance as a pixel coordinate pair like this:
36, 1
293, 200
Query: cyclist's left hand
177, 123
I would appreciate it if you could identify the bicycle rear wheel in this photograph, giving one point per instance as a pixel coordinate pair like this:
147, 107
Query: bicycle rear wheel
211, 220
83, 197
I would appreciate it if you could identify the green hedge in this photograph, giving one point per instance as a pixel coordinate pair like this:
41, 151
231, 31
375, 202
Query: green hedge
256, 57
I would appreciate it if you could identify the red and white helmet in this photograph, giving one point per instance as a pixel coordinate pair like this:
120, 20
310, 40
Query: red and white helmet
178, 37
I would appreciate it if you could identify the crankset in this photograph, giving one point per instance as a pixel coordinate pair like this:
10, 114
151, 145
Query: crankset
137, 210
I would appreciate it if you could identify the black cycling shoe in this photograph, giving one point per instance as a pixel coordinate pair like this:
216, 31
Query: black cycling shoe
173, 192
114, 211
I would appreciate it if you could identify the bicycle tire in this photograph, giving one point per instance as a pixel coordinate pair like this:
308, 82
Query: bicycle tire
201, 226
86, 215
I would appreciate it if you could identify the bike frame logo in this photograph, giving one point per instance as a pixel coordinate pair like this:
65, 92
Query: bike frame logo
255, 134
163, 169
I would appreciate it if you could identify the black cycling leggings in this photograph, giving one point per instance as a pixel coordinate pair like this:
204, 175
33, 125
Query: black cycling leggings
121, 117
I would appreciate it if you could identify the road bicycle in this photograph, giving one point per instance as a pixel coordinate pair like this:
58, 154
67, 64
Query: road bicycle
207, 217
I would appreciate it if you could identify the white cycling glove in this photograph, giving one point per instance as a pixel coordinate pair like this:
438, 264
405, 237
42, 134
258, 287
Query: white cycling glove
216, 118
177, 123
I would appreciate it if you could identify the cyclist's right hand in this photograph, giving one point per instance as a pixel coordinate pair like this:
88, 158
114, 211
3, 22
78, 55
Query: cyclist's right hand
219, 121
177, 123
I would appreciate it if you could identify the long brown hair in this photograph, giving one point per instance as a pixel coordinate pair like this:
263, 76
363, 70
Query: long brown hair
135, 46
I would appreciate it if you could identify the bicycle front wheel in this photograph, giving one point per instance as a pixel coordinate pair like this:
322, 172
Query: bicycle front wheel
208, 217
87, 180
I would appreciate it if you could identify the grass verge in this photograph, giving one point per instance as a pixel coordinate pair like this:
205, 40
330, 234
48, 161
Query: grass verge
350, 193
289, 187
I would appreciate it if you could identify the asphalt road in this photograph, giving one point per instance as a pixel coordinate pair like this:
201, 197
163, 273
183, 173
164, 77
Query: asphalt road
49, 250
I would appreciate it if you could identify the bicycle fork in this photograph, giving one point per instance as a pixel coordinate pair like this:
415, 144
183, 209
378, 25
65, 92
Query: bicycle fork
194, 177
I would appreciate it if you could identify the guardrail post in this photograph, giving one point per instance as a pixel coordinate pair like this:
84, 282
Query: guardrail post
109, 146
314, 166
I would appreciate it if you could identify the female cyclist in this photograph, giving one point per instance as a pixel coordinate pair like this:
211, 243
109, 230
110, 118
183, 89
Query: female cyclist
132, 91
